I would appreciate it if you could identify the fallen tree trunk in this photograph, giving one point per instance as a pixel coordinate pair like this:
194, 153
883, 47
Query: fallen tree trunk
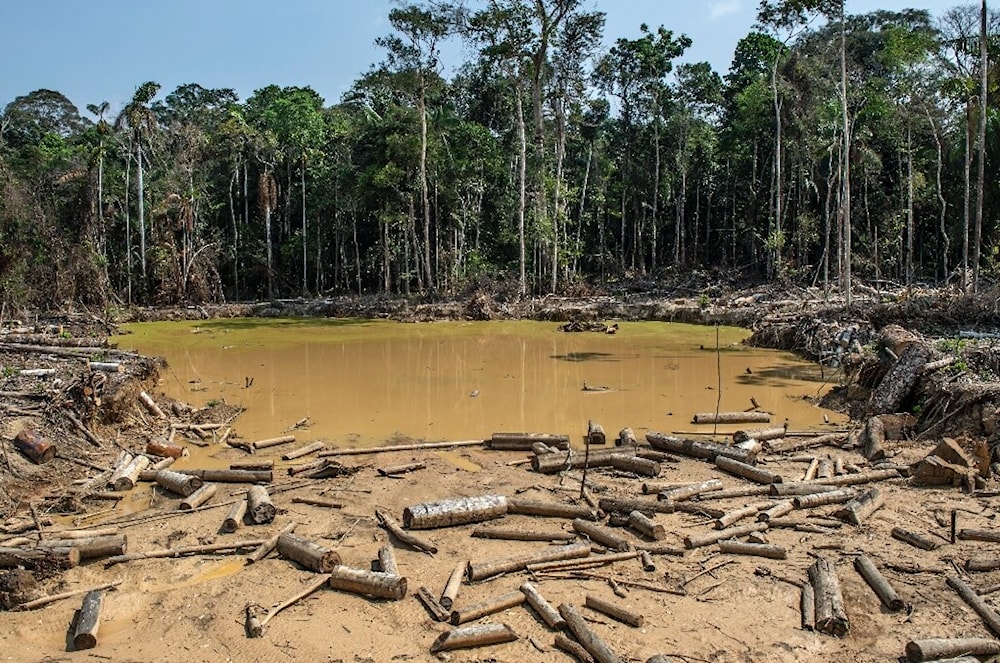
477, 571
151, 405
976, 602
778, 510
979, 535
883, 590
752, 549
617, 612
522, 535
914, 539
402, 535
747, 471
368, 583
703, 449
199, 497
830, 616
452, 587
691, 542
488, 607
234, 519
130, 474
35, 446
387, 561
460, 511
602, 535
182, 551
781, 446
823, 499
862, 506
931, 649
304, 451
309, 554
41, 558
94, 547
222, 476
646, 526
175, 482
520, 506
164, 449
731, 418
267, 546
259, 464
437, 611
473, 636
272, 442
89, 621
259, 505
524, 441
689, 491
543, 608
899, 381
636, 465
760, 434
590, 641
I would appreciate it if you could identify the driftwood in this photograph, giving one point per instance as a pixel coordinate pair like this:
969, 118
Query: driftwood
586, 637
432, 605
689, 491
309, 554
473, 636
265, 548
602, 535
617, 612
181, 551
368, 583
402, 535
522, 534
396, 470
731, 418
572, 647
752, 549
89, 621
488, 607
931, 649
746, 471
35, 446
199, 497
304, 451
699, 448
830, 615
646, 526
914, 538
524, 441
691, 542
477, 571
550, 509
883, 590
234, 519
862, 506
460, 511
175, 482
976, 602
41, 558
542, 607
255, 627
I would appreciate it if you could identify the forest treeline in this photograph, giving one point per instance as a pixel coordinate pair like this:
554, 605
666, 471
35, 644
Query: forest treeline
837, 146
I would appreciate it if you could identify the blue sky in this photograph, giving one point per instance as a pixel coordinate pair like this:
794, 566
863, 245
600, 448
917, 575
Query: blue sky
103, 49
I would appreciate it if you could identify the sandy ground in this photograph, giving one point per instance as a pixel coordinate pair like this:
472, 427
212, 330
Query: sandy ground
746, 609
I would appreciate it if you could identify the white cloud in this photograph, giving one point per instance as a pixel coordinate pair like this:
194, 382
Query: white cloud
724, 8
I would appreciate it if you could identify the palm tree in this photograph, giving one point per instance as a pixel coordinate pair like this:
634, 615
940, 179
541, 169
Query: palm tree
139, 121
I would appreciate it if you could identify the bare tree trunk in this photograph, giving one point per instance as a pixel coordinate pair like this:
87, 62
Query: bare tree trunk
583, 207
943, 213
141, 193
522, 142
910, 225
846, 202
424, 197
981, 168
967, 200
305, 236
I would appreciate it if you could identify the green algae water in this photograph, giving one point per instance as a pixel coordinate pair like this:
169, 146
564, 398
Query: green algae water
363, 382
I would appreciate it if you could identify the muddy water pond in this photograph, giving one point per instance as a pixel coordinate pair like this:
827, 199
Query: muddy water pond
363, 382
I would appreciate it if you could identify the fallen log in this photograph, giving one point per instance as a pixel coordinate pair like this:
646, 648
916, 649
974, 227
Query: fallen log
571, 460
617, 612
826, 468
602, 535
703, 449
862, 506
432, 605
35, 446
577, 564
730, 518
590, 641
267, 546
260, 507
94, 547
255, 627
318, 501
731, 418
181, 551
151, 405
304, 451
259, 464
488, 607
752, 549
974, 564
746, 471
787, 445
874, 439
234, 519
572, 647
689, 491
402, 535
822, 499
522, 535
899, 381
452, 587
636, 465
40, 558
272, 442
976, 602
164, 449
979, 535
646, 560
387, 561
543, 608
883, 590
595, 434
626, 438
459, 511
914, 538
540, 449
221, 476
760, 434
477, 571
691, 542
550, 509
524, 441
612, 505
368, 583
89, 621
807, 605
641, 523
780, 509
396, 470
401, 447
175, 482
130, 474
473, 636
199, 497
52, 598
830, 616
309, 554
747, 491
930, 649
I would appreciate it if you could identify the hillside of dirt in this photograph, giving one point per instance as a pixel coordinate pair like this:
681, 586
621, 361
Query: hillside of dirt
917, 459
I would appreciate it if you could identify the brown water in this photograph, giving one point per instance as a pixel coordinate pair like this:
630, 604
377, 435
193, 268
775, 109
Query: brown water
369, 382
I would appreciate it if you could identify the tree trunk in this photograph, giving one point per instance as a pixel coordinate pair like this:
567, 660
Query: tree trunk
369, 583
830, 615
307, 553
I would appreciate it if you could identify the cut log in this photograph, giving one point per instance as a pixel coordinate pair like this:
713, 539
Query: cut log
691, 542
989, 535
234, 519
626, 438
862, 506
181, 551
613, 610
781, 446
635, 465
402, 535
874, 439
611, 505
540, 449
396, 470
387, 561
780, 509
899, 381
586, 637
883, 590
272, 442
869, 476
731, 418
646, 526
459, 511
477, 571
259, 464
571, 460
480, 635
199, 497
309, 554
368, 583
752, 549
930, 649
267, 546
807, 605
225, 476
602, 535
35, 446
318, 501
690, 490
304, 451
573, 648
175, 482
403, 447
646, 560
94, 547
595, 434
433, 607
259, 506
822, 499
151, 405
760, 434
974, 564
830, 616
105, 366
524, 441
130, 474
542, 607
452, 587
699, 448
118, 469
732, 517
43, 558
520, 506
914, 538
578, 564
522, 535
89, 621
745, 491
488, 607
976, 602
746, 471
164, 449
825, 470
